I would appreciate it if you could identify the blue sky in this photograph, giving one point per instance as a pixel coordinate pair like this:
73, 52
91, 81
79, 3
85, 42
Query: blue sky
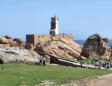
78, 17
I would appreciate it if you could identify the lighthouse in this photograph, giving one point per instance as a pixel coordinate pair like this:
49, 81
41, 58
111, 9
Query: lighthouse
54, 26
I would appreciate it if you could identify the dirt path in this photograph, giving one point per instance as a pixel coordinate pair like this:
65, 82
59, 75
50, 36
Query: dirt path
105, 80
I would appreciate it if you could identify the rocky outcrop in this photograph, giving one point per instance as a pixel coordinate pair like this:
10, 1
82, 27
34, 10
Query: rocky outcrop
14, 54
63, 48
96, 46
8, 37
18, 40
7, 41
29, 46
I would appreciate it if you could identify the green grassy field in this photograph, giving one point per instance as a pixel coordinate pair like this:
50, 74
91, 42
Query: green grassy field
16, 74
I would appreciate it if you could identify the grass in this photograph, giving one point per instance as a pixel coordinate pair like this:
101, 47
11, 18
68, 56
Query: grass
87, 61
16, 74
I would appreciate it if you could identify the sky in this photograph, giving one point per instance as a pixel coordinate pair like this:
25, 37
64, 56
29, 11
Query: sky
81, 18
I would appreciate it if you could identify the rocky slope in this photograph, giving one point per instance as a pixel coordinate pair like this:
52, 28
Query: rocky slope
60, 48
12, 54
96, 46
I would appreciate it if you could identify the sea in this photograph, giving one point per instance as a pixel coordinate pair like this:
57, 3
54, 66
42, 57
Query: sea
81, 42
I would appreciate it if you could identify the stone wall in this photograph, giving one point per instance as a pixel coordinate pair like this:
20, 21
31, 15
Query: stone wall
64, 36
30, 39
36, 38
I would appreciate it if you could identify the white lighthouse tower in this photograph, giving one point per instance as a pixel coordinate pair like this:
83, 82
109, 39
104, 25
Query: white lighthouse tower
54, 26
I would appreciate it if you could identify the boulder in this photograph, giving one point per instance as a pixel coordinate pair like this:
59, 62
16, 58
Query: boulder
15, 54
96, 46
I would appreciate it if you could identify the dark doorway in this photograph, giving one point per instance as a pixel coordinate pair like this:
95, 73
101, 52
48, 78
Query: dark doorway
1, 61
54, 60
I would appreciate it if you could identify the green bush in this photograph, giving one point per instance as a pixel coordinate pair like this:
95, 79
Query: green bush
87, 61
49, 42
52, 39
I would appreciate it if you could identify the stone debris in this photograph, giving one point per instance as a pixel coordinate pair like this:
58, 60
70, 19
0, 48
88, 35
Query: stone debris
46, 83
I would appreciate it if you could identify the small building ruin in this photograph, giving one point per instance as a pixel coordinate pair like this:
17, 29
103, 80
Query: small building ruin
37, 38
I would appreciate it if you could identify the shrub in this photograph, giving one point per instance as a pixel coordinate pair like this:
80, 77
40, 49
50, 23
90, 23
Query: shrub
52, 39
